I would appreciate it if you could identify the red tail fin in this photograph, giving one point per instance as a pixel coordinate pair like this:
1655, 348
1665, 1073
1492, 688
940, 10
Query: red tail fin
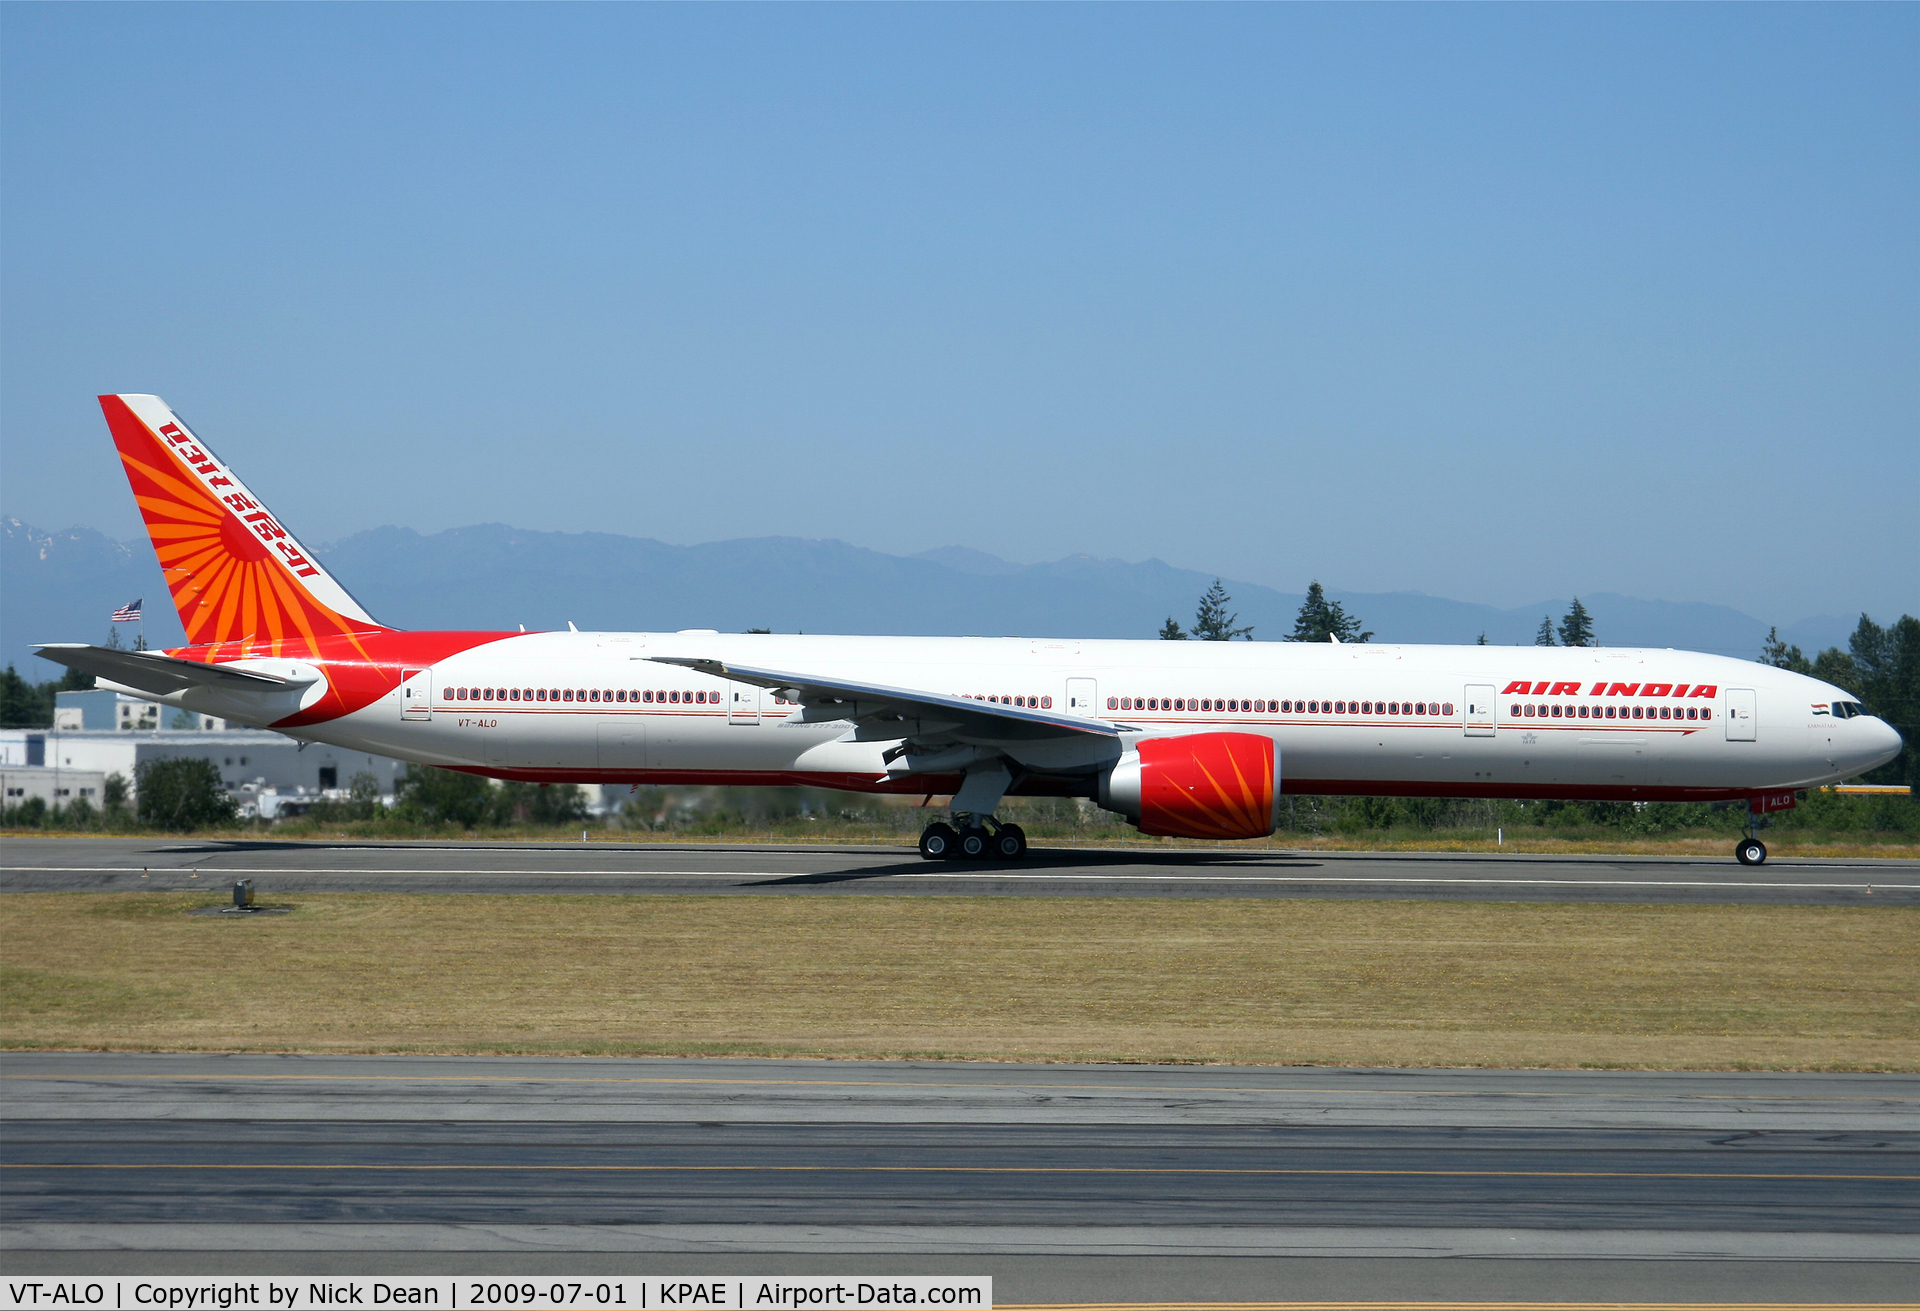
235, 573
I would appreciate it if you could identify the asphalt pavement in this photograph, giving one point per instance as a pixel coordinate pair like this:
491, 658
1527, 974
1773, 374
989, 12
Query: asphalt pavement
121, 864
1067, 1183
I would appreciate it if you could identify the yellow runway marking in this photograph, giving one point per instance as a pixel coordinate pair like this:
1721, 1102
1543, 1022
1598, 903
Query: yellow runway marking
963, 1169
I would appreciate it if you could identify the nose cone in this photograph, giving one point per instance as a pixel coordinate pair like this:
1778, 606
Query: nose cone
1883, 743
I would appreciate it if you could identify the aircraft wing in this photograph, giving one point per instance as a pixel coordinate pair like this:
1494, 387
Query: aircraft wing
154, 673
891, 712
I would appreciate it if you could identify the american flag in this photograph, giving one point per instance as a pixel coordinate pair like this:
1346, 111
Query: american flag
127, 613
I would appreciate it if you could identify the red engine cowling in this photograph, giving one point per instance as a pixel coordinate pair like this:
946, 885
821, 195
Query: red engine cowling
1208, 785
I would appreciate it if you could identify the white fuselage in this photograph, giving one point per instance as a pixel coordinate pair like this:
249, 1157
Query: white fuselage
1437, 720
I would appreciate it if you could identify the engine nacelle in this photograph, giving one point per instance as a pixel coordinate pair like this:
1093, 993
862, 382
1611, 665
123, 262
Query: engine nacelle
1207, 785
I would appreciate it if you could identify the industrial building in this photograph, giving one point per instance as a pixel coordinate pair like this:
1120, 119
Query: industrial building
269, 773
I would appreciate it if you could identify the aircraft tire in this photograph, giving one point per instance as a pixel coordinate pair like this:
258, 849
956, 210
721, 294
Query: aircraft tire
1750, 851
939, 842
1010, 843
973, 845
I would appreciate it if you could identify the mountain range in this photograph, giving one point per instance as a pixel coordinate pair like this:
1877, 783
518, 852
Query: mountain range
62, 586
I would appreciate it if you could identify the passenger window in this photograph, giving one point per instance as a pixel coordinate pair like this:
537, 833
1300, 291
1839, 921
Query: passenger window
1693, 712
1638, 712
1705, 713
1046, 703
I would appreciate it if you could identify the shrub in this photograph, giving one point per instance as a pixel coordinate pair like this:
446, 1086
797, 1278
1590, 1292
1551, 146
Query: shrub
180, 795
445, 796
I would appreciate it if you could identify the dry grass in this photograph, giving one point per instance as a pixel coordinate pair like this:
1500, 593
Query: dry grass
1349, 982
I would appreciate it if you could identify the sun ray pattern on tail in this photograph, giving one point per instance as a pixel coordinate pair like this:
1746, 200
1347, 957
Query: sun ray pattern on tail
236, 575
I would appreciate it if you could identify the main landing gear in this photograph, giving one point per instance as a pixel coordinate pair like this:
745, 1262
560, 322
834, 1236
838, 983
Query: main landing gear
976, 838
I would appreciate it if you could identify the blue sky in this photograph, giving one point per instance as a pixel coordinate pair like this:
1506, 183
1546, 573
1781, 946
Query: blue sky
1496, 302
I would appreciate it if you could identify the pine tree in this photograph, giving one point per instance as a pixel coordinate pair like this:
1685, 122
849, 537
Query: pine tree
1171, 631
1577, 628
1211, 622
1545, 636
21, 705
1782, 656
1321, 620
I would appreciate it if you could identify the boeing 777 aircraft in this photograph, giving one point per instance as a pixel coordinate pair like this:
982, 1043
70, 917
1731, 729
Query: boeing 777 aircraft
1185, 739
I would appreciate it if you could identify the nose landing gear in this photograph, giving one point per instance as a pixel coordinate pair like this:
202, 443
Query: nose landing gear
1750, 850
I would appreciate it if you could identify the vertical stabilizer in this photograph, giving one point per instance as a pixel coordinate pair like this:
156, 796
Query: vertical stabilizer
235, 572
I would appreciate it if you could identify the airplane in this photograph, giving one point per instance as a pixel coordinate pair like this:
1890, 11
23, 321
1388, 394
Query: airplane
1184, 739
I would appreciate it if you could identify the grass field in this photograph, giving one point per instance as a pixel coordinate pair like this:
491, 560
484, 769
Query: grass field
1346, 982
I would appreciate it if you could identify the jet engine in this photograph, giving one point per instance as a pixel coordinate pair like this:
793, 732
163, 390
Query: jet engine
1207, 785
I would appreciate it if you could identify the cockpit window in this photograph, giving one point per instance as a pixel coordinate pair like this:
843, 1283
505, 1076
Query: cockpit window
1848, 709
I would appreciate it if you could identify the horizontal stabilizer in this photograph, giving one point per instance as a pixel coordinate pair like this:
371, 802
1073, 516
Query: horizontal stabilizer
151, 672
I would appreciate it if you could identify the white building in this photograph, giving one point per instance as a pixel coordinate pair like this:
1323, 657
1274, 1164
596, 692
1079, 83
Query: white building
73, 711
54, 786
253, 763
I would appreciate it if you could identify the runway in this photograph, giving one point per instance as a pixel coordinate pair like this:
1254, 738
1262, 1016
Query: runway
120, 865
1067, 1183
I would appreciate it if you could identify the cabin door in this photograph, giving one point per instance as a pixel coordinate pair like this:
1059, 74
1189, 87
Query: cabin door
416, 694
743, 703
1741, 724
1479, 709
1081, 693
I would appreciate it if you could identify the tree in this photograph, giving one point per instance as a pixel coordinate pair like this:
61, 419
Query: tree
1483, 638
183, 794
534, 803
1545, 636
1171, 631
21, 705
446, 796
1577, 628
30, 705
1321, 620
1212, 623
1781, 656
